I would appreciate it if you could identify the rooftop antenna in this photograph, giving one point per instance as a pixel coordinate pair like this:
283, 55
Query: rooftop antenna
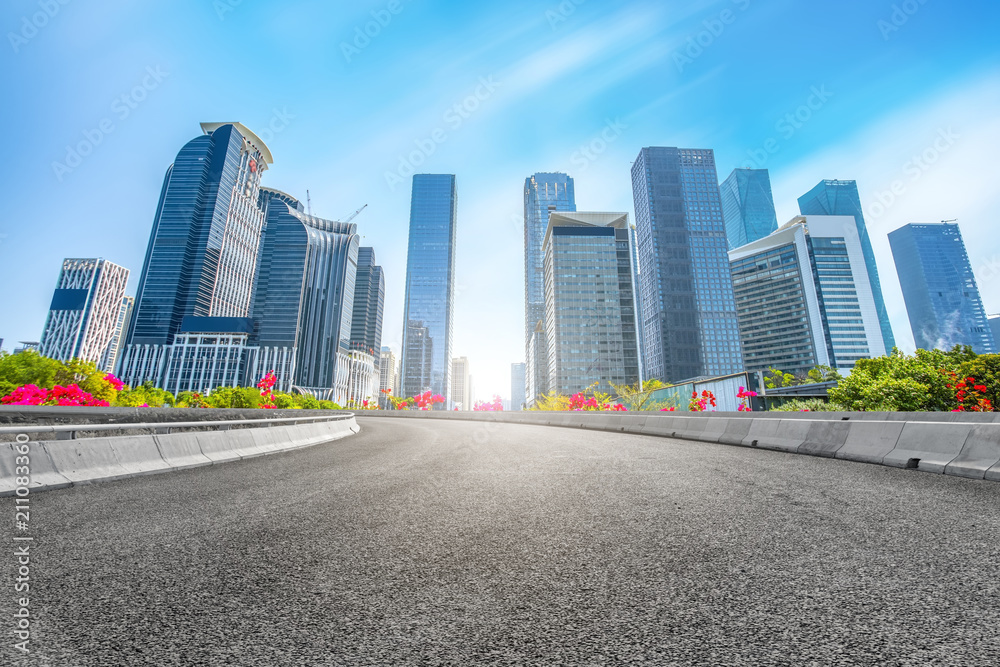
952, 220
309, 203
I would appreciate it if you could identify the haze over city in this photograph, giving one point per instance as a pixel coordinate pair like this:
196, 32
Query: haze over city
900, 97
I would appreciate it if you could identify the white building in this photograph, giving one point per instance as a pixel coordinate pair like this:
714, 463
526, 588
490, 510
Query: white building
461, 384
388, 374
85, 315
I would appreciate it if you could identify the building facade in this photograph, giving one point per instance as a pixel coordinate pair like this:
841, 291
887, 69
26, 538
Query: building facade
428, 316
804, 298
85, 313
590, 318
544, 193
388, 376
747, 206
200, 264
517, 398
461, 384
121, 329
369, 303
833, 197
689, 323
939, 288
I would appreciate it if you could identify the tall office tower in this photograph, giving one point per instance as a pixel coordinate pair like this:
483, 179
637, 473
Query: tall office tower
833, 197
804, 298
461, 383
590, 323
369, 301
388, 376
633, 242
192, 306
83, 317
517, 387
689, 319
121, 328
993, 320
939, 288
747, 206
304, 301
543, 194
430, 286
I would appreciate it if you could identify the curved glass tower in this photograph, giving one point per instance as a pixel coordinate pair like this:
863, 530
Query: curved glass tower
747, 206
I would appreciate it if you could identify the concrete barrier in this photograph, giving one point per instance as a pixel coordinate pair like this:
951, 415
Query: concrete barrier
785, 435
928, 446
980, 452
870, 441
825, 438
62, 463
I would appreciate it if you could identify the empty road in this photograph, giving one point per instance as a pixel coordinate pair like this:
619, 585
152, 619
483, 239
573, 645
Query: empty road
461, 543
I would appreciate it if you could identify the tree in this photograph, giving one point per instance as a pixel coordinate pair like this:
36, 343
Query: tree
24, 368
638, 397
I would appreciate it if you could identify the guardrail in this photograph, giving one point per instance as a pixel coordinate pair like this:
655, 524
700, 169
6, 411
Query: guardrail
962, 444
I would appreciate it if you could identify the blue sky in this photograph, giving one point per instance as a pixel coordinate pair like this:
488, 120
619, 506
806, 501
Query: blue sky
573, 86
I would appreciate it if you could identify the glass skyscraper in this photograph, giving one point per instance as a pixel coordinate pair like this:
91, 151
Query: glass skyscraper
304, 301
430, 286
369, 301
747, 206
832, 197
200, 265
87, 308
590, 318
939, 288
544, 193
517, 386
689, 321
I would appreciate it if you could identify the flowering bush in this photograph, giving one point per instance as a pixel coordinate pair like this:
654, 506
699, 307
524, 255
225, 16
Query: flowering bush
58, 395
424, 401
745, 397
496, 405
701, 403
265, 386
971, 395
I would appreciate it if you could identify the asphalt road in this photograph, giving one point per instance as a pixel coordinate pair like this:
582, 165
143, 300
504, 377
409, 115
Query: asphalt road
451, 543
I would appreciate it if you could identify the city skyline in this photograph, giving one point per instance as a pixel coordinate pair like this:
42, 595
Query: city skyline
904, 115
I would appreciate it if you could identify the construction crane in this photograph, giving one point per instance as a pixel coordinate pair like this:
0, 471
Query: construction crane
952, 220
355, 214
309, 203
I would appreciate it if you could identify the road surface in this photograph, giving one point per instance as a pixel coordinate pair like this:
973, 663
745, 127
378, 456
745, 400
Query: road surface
462, 543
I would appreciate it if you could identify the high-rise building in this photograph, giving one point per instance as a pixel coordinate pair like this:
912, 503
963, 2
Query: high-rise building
544, 193
517, 401
804, 299
939, 288
369, 302
388, 376
461, 383
430, 286
833, 197
304, 304
747, 206
192, 307
85, 312
689, 322
590, 323
994, 322
121, 328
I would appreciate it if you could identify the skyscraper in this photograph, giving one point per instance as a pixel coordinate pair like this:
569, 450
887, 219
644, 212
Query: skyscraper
517, 387
832, 197
544, 193
304, 301
85, 312
192, 308
747, 206
461, 383
939, 288
994, 322
689, 321
430, 286
369, 302
590, 324
388, 376
804, 298
124, 317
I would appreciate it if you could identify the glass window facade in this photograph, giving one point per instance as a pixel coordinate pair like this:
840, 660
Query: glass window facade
939, 288
832, 197
369, 302
689, 322
747, 206
428, 319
